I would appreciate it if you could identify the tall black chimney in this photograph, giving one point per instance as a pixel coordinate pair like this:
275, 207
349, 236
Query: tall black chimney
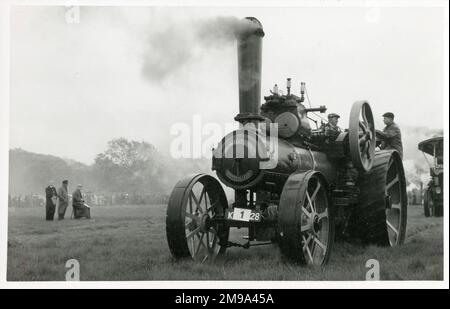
249, 48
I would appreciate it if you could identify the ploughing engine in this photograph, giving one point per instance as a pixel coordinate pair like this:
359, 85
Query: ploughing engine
294, 185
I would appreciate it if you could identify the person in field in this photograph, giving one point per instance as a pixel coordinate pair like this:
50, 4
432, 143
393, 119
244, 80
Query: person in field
80, 208
50, 201
63, 199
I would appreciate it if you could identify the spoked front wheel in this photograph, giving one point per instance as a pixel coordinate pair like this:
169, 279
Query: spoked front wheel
194, 225
305, 221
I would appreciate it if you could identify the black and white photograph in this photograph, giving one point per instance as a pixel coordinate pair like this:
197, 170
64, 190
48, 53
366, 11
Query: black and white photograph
285, 144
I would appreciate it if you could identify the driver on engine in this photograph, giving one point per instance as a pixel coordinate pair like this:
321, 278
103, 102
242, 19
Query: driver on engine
332, 129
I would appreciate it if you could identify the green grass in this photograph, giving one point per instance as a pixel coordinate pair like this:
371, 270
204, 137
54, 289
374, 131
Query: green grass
129, 243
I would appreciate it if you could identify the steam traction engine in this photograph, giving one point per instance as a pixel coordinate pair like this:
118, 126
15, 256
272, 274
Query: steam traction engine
299, 187
433, 198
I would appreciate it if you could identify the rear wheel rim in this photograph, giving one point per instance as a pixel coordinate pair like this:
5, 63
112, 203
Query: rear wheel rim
315, 224
395, 198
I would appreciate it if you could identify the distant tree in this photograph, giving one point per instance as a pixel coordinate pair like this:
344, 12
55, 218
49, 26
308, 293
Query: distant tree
126, 153
127, 166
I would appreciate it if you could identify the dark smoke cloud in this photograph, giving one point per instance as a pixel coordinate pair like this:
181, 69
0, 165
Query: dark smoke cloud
171, 47
222, 30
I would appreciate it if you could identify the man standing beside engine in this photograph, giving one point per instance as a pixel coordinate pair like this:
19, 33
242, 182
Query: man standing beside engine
390, 137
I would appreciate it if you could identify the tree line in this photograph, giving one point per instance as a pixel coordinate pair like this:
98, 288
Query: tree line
126, 166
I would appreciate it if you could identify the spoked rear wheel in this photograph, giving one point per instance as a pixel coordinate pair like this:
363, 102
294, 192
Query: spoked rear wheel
305, 222
380, 218
193, 225
396, 202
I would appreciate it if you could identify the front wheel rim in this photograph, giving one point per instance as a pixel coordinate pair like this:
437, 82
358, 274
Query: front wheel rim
315, 224
201, 234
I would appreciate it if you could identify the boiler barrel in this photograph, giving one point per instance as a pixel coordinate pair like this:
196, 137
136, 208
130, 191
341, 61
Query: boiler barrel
292, 159
242, 162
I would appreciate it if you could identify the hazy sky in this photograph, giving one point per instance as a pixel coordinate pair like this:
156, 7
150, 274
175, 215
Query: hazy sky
134, 72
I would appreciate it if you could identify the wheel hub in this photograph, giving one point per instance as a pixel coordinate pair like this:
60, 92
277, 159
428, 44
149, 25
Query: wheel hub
316, 224
192, 225
205, 223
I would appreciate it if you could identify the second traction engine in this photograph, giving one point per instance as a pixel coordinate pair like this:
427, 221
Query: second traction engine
294, 185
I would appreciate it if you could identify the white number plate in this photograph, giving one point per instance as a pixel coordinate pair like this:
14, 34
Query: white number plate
242, 214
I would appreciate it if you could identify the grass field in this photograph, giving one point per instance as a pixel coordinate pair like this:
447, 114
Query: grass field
129, 243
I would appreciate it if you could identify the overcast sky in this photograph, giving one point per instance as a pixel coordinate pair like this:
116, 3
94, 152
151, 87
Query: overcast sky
134, 72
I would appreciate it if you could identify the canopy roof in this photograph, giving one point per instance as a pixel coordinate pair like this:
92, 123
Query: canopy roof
428, 145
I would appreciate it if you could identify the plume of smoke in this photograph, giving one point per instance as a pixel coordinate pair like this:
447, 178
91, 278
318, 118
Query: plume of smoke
166, 51
170, 48
222, 30
415, 172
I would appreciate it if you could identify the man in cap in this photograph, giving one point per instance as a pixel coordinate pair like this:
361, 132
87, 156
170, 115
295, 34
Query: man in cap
80, 209
63, 200
50, 195
332, 129
390, 137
